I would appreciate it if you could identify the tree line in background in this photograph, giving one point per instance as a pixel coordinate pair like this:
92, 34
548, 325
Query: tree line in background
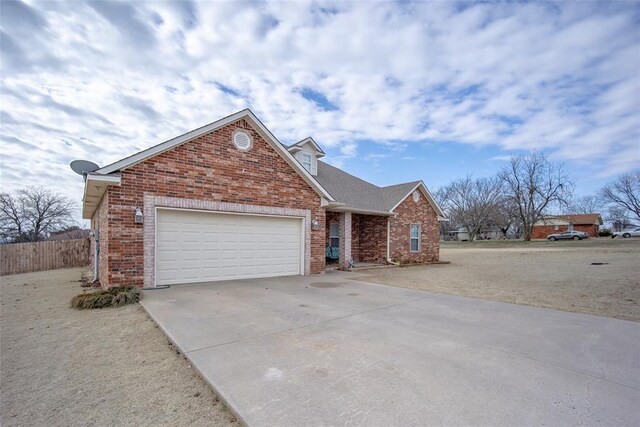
529, 188
32, 214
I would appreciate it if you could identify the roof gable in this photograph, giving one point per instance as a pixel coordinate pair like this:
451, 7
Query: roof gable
419, 185
245, 114
357, 194
309, 142
582, 219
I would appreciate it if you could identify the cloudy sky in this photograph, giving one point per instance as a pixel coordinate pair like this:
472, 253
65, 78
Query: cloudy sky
394, 91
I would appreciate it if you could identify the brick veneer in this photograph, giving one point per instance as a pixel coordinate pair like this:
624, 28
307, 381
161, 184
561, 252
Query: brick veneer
206, 169
410, 212
345, 239
372, 238
100, 222
542, 231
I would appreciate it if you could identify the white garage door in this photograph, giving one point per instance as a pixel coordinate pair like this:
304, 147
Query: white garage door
195, 246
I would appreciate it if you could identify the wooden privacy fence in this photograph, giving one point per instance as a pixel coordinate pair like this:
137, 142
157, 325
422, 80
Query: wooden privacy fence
37, 256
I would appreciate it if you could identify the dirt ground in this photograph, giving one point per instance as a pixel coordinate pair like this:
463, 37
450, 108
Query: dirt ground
556, 275
60, 366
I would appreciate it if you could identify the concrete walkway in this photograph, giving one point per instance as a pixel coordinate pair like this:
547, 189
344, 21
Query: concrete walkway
333, 351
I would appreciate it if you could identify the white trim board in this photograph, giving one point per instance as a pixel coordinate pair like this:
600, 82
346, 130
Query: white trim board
153, 203
427, 194
182, 139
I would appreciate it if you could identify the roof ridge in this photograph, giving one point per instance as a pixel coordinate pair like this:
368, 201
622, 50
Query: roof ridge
347, 173
402, 183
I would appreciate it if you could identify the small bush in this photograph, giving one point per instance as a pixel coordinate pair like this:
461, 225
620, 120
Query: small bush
604, 232
112, 297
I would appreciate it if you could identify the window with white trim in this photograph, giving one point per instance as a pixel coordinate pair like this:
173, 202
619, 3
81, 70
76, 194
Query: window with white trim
414, 238
306, 161
334, 235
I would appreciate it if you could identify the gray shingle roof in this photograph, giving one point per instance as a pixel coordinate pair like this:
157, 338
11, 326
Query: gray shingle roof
359, 194
393, 194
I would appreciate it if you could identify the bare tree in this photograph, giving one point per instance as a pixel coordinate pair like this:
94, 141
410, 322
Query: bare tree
506, 216
32, 214
535, 185
471, 202
624, 194
585, 205
619, 218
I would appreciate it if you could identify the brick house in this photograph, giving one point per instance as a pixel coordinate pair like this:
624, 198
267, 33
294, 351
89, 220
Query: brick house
229, 201
588, 223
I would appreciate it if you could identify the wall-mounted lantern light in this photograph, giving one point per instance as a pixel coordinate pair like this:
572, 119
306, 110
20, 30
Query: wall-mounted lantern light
139, 219
315, 224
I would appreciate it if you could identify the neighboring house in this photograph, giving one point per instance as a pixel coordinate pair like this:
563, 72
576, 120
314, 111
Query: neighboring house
589, 223
486, 233
229, 201
70, 235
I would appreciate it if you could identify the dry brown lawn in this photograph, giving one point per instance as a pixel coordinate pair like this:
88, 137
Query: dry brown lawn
556, 275
61, 366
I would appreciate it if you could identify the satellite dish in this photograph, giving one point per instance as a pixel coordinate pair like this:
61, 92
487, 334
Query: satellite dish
83, 167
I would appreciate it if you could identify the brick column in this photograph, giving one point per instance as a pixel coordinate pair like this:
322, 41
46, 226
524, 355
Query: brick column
345, 239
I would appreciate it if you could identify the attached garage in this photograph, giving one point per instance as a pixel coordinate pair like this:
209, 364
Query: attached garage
201, 246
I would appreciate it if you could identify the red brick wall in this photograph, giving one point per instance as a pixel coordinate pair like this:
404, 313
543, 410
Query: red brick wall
372, 239
100, 222
207, 168
542, 231
591, 230
355, 237
410, 212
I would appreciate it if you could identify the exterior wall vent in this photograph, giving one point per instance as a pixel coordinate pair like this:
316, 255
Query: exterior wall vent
416, 196
242, 140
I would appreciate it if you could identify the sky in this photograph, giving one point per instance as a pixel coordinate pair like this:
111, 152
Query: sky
392, 91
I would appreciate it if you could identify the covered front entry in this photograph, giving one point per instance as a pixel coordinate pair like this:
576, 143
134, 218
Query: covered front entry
199, 246
355, 239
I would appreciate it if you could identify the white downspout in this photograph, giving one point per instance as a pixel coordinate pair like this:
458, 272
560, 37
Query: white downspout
389, 260
96, 254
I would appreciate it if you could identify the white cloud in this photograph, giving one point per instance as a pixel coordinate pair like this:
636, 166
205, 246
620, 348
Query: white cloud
102, 81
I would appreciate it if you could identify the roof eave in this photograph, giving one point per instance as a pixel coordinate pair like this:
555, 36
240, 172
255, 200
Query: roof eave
346, 208
184, 138
433, 202
94, 188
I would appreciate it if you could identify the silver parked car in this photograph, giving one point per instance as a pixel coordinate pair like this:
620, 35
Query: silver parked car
630, 232
568, 235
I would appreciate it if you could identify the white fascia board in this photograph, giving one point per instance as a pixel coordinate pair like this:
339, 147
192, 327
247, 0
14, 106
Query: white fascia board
360, 211
104, 181
246, 113
110, 179
426, 192
279, 147
308, 140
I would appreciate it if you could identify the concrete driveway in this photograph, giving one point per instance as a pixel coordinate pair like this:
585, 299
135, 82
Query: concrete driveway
334, 351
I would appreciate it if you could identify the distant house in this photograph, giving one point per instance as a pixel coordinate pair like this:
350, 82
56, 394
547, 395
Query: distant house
487, 233
589, 223
69, 235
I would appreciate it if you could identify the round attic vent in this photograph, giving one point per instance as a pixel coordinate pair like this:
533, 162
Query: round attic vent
416, 196
241, 140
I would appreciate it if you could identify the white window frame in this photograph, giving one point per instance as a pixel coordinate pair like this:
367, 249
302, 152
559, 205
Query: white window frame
411, 238
332, 236
307, 164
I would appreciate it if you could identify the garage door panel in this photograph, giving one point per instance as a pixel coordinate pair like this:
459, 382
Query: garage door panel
194, 246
